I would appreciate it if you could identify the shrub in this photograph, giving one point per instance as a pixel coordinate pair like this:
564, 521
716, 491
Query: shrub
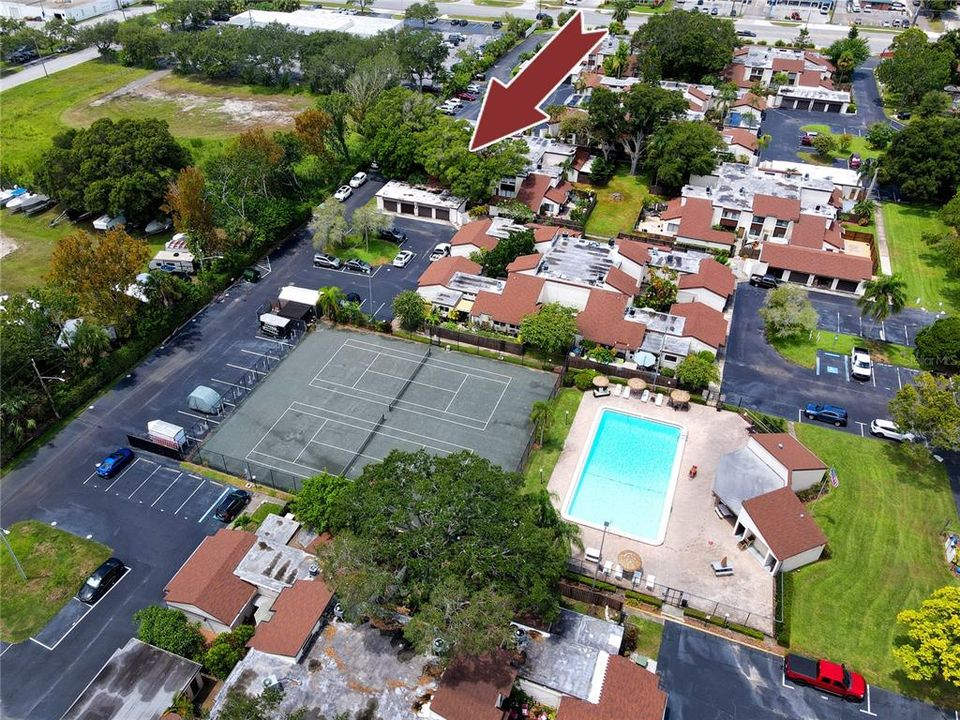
601, 354
584, 378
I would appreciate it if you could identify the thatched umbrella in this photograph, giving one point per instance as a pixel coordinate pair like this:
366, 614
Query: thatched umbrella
601, 381
680, 397
636, 384
629, 560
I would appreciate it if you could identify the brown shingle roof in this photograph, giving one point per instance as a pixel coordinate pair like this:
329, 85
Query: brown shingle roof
295, 613
812, 231
819, 262
619, 280
697, 93
778, 207
702, 322
754, 101
696, 223
546, 233
789, 451
810, 78
470, 688
786, 525
673, 210
206, 579
440, 272
629, 691
634, 250
532, 190
519, 298
739, 136
559, 193
713, 276
601, 321
787, 66
580, 158
525, 262
475, 233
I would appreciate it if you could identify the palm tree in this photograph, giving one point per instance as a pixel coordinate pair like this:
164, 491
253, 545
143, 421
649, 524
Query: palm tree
541, 415
864, 209
15, 423
330, 302
621, 10
883, 297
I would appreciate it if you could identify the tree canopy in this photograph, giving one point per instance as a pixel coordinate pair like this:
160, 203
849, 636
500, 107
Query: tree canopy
411, 309
550, 329
684, 45
937, 347
506, 251
114, 167
929, 408
788, 312
924, 159
932, 650
680, 149
453, 539
847, 54
698, 370
916, 66
169, 630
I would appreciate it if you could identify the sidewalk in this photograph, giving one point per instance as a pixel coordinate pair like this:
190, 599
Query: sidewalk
883, 251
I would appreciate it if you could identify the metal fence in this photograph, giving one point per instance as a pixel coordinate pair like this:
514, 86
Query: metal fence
677, 597
270, 477
531, 441
654, 378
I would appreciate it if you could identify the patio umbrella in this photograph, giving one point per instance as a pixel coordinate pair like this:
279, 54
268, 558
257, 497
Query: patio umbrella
636, 384
601, 381
680, 396
629, 560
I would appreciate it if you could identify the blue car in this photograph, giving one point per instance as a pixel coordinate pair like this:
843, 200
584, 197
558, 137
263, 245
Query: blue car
826, 413
114, 462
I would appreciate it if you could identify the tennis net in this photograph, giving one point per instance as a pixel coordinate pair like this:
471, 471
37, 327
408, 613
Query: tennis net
409, 382
364, 445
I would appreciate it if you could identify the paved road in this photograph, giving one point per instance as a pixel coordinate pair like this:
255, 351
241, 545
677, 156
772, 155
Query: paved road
711, 678
756, 376
153, 517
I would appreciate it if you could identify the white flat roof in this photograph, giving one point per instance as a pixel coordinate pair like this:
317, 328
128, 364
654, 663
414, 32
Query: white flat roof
835, 175
311, 21
815, 93
398, 191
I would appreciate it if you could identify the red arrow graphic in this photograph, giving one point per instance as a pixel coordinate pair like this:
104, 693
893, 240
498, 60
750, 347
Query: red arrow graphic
512, 108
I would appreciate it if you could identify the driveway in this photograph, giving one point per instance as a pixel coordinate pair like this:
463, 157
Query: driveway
152, 515
711, 678
757, 377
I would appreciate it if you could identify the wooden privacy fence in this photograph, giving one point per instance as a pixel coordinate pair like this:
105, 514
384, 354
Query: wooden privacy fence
579, 363
589, 596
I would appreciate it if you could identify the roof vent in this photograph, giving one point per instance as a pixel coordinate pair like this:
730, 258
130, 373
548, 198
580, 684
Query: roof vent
780, 445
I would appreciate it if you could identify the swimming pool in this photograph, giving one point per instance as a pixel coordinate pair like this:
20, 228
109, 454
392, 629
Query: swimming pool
626, 476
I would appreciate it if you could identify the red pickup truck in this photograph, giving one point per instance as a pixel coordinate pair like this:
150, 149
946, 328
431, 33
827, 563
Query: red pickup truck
825, 675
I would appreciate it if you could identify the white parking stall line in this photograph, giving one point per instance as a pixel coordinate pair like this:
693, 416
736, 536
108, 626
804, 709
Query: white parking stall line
215, 503
130, 496
377, 311
899, 382
117, 479
3, 652
251, 352
861, 428
179, 475
47, 647
188, 497
783, 680
198, 417
818, 364
867, 711
92, 476
225, 382
245, 369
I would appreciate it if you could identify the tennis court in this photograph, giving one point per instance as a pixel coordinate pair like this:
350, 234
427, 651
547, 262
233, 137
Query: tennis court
344, 398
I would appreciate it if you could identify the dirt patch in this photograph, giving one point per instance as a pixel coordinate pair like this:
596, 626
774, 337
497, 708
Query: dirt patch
7, 246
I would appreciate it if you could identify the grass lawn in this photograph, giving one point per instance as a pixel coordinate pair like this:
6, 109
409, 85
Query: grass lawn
545, 458
649, 635
928, 283
857, 145
883, 524
56, 564
803, 351
380, 252
612, 215
498, 3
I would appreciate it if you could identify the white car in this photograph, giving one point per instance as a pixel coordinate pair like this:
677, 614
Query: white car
447, 109
343, 193
403, 257
889, 430
440, 251
475, 89
357, 180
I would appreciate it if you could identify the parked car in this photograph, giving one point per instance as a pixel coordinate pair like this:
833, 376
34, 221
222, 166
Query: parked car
155, 227
114, 462
440, 251
807, 138
447, 109
890, 430
496, 25
903, 115
101, 580
356, 265
764, 281
826, 413
432, 21
714, 10
393, 235
403, 257
861, 366
746, 33
475, 88
326, 261
231, 505
252, 275
357, 180
827, 676
352, 298
343, 193
794, 16
468, 96
855, 161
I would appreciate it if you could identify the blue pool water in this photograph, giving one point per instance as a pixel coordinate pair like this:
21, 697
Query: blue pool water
627, 477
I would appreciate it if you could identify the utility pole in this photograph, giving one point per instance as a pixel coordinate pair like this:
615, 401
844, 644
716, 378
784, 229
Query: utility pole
16, 560
45, 390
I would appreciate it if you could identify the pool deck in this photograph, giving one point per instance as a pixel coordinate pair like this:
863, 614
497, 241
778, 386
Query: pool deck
695, 535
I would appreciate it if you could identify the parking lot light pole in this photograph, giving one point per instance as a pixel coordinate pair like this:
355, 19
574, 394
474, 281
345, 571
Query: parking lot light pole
41, 378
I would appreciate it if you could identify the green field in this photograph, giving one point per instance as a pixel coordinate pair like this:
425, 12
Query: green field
545, 458
55, 562
803, 351
619, 203
857, 145
378, 252
649, 635
928, 283
885, 555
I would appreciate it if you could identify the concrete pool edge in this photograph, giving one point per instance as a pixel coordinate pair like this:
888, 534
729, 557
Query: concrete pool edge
668, 496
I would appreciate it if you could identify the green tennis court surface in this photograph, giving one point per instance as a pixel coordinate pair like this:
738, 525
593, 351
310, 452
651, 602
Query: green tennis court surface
343, 399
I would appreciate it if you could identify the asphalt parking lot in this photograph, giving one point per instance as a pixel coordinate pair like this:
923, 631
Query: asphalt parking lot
711, 678
841, 314
757, 377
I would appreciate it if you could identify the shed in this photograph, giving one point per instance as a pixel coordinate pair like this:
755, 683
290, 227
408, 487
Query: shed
274, 325
779, 531
167, 434
206, 400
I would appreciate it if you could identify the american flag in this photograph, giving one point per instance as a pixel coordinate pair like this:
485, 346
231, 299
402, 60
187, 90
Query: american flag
834, 480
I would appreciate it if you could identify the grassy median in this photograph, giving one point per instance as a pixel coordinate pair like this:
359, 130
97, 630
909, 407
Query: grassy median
803, 351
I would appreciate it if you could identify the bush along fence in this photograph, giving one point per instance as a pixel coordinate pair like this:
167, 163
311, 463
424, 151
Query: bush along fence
653, 378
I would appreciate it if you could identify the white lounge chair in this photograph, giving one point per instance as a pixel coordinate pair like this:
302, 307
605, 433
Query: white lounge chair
608, 567
618, 572
617, 389
659, 401
651, 582
591, 555
645, 396
626, 392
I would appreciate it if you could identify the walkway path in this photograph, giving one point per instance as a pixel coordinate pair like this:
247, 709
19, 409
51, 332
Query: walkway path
883, 251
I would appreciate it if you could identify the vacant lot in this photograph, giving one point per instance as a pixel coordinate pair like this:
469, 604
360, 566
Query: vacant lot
618, 204
928, 283
55, 562
883, 523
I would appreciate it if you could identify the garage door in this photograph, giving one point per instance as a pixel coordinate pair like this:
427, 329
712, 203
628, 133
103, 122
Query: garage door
390, 205
798, 277
847, 285
834, 107
443, 214
425, 211
406, 208
819, 106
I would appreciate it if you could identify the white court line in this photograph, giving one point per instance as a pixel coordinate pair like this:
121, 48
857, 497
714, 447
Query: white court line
332, 357
365, 371
310, 440
199, 417
455, 394
215, 503
433, 360
494, 411
867, 711
245, 369
92, 476
117, 479
273, 467
179, 475
224, 382
270, 430
274, 457
130, 496
417, 382
188, 497
89, 608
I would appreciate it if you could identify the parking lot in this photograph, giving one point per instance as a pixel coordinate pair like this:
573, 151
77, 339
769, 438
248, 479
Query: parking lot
846, 14
710, 677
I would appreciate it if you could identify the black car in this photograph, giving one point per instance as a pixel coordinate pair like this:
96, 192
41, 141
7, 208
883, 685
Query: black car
497, 25
352, 298
394, 236
101, 580
746, 33
826, 413
252, 275
357, 266
231, 505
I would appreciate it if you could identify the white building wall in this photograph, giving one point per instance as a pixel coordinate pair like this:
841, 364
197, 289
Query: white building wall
702, 295
196, 615
699, 346
540, 693
463, 250
746, 521
803, 479
804, 558
569, 295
